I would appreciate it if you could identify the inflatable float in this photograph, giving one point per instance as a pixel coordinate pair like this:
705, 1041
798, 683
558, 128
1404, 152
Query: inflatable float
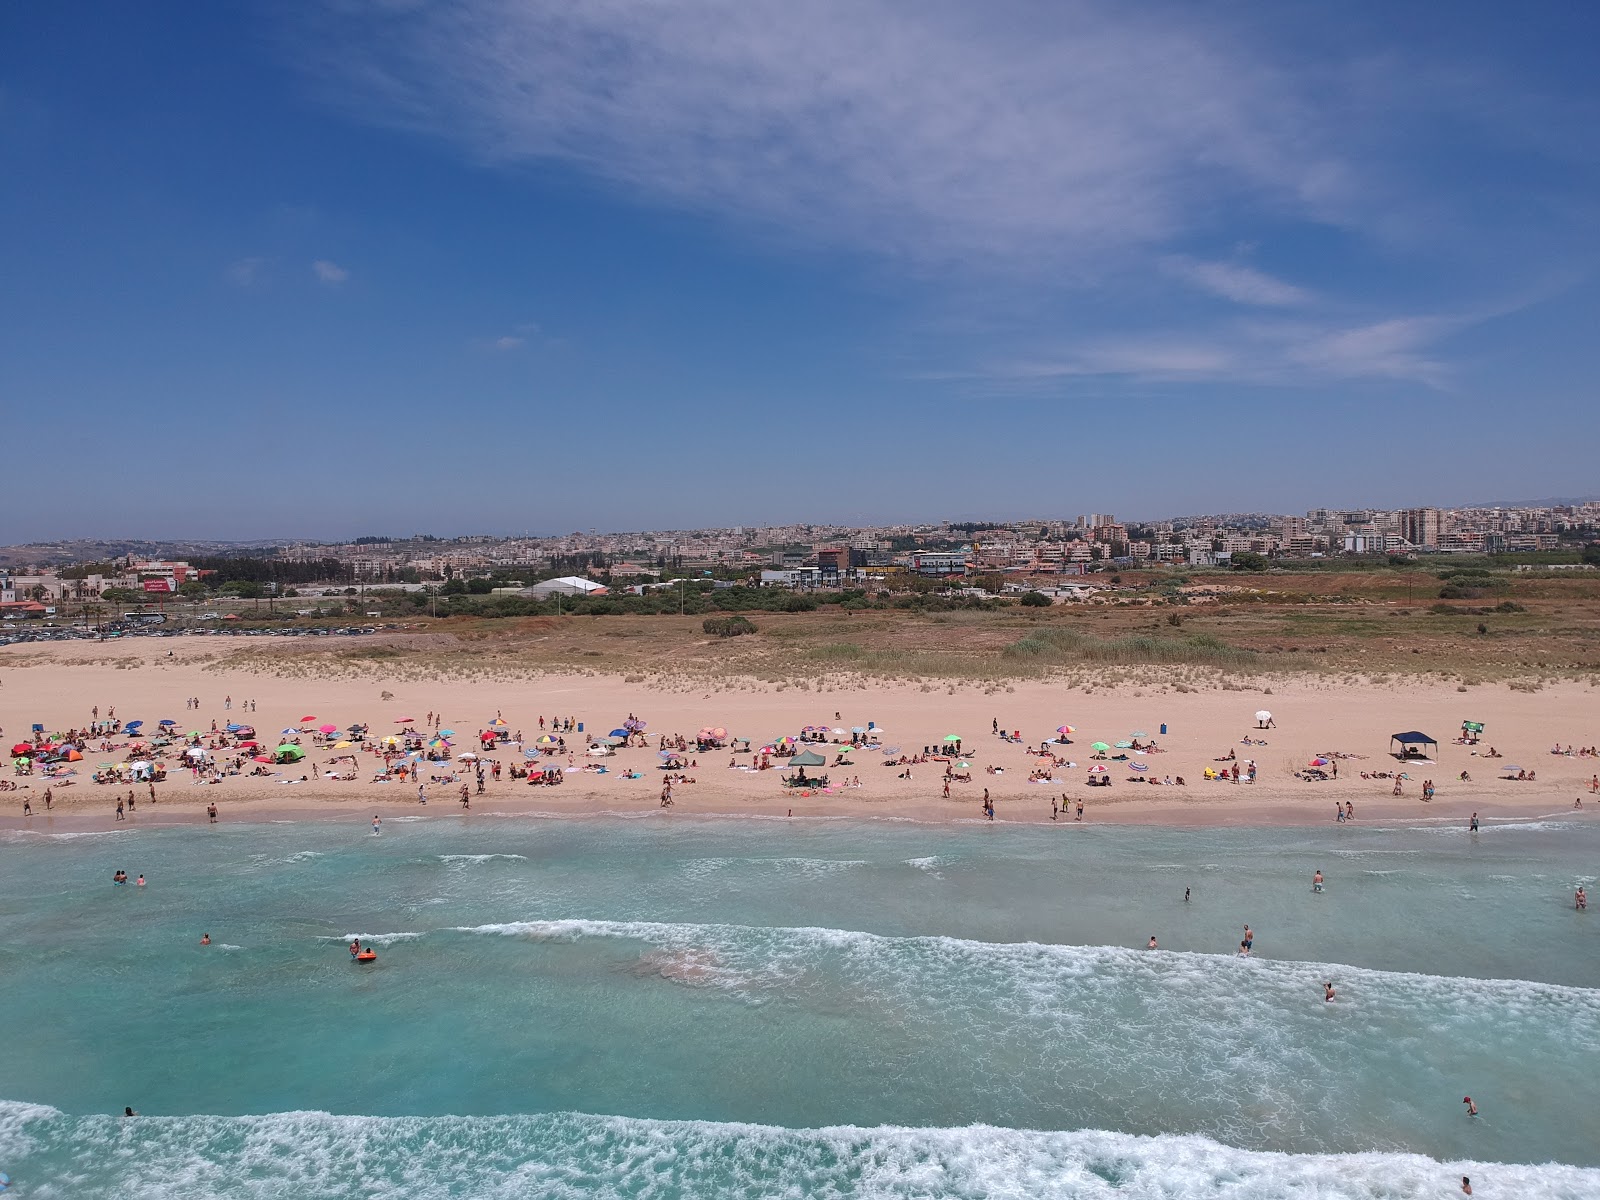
367, 956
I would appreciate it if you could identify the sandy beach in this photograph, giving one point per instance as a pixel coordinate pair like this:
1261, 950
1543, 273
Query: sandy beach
1312, 717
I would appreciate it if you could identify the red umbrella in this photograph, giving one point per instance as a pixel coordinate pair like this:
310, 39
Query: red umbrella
262, 758
248, 745
303, 720
21, 748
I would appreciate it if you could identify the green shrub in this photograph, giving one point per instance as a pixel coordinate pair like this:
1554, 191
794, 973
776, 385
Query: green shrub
1035, 600
734, 626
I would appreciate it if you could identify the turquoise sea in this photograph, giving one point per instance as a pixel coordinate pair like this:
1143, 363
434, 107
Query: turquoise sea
666, 1007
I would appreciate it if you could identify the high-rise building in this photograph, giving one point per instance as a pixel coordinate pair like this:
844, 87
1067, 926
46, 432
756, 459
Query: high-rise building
1420, 526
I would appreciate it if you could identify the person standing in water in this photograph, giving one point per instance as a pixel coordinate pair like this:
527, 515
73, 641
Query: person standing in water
1472, 1109
1327, 992
1580, 899
205, 939
1249, 939
1472, 826
1316, 882
376, 824
1186, 895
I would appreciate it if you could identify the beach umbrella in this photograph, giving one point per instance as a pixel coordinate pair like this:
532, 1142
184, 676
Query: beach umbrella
1101, 746
342, 745
890, 751
303, 720
22, 749
133, 724
447, 733
404, 720
666, 754
196, 732
1138, 766
281, 732
467, 756
858, 729
250, 745
1098, 769
1124, 744
1319, 762
611, 740
497, 723
635, 724
1511, 767
952, 737
261, 758
965, 766
530, 754
1138, 733
330, 728
1263, 715
619, 732
1065, 729
233, 728
166, 721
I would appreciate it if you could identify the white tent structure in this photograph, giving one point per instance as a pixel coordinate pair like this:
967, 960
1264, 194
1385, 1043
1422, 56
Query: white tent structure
567, 585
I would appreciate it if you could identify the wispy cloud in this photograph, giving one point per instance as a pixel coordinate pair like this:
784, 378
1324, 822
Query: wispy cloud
329, 273
1005, 136
508, 342
1236, 282
1280, 353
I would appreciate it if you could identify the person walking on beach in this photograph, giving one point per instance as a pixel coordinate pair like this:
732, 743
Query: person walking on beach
120, 815
1349, 810
49, 799
1054, 808
211, 814
1079, 817
1338, 813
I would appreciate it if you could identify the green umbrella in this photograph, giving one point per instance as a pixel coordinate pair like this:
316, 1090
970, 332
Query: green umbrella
952, 737
1099, 746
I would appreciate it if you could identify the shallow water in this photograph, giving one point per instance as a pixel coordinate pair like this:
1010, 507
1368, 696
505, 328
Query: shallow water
894, 1009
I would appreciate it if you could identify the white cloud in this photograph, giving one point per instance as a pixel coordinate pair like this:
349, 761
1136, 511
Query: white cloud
1011, 136
1231, 281
330, 273
508, 342
245, 272
1277, 352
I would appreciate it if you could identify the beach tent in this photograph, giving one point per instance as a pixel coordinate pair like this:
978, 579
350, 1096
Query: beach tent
1412, 744
288, 753
808, 759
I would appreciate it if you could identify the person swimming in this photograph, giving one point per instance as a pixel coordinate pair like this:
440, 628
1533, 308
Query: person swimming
140, 883
1328, 993
1151, 944
355, 947
120, 878
205, 939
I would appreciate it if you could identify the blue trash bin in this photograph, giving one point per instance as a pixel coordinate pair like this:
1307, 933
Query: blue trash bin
580, 727
1163, 730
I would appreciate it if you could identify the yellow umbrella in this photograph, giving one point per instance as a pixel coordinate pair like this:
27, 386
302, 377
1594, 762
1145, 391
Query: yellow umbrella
343, 745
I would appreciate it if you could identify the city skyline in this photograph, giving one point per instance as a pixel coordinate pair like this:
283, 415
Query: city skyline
368, 266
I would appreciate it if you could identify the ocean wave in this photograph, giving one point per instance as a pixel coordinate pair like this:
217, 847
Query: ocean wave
53, 1156
375, 939
477, 859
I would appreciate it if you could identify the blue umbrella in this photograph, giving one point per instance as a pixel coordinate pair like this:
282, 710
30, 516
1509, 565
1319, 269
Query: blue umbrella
133, 724
166, 721
621, 733
233, 728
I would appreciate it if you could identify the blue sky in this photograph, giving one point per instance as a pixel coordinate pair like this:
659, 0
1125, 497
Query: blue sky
389, 266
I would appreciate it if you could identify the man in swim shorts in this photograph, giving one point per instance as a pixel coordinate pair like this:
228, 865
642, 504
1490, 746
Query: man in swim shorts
1327, 993
1316, 882
1249, 938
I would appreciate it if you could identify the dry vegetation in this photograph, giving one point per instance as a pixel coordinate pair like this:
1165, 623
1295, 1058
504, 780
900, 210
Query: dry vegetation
1342, 627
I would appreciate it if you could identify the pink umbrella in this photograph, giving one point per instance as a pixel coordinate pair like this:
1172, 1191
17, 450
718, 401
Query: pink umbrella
1097, 769
262, 758
404, 720
328, 728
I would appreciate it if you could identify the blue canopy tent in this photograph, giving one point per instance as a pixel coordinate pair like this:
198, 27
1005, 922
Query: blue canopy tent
1412, 745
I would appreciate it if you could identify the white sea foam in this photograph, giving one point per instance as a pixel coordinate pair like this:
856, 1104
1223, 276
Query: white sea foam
376, 939
479, 859
569, 1155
